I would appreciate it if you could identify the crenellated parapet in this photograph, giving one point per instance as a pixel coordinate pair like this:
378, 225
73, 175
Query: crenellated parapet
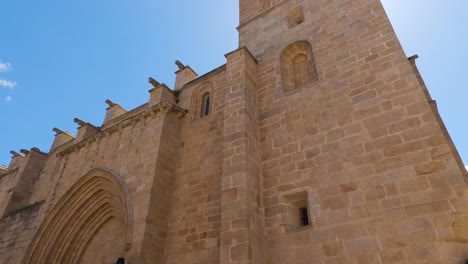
162, 108
161, 98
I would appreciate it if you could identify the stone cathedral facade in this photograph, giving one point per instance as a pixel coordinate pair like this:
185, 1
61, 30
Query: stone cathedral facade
316, 142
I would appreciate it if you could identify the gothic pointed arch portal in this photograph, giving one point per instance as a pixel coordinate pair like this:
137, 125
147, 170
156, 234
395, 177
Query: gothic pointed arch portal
96, 199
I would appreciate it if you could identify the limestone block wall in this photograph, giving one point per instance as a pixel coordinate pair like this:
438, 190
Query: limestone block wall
107, 241
162, 189
241, 210
16, 232
195, 216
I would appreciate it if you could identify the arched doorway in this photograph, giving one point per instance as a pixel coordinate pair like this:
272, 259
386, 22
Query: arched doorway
95, 212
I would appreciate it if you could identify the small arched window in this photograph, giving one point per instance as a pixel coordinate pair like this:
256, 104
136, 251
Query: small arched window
301, 69
206, 103
202, 101
298, 67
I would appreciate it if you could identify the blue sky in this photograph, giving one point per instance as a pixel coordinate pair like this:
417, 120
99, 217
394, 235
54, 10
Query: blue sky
62, 59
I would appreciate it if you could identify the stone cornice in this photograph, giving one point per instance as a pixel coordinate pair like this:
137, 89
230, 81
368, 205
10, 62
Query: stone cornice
246, 50
203, 77
163, 108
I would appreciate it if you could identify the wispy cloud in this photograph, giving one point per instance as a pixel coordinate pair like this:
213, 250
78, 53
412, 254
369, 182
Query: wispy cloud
8, 99
5, 66
7, 84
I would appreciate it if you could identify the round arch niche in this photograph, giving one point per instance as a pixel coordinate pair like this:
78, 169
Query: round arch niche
297, 65
96, 199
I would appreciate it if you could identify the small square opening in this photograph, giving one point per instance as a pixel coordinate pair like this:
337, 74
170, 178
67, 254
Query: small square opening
295, 16
297, 211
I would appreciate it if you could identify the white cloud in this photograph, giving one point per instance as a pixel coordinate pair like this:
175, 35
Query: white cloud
7, 84
8, 99
466, 167
5, 67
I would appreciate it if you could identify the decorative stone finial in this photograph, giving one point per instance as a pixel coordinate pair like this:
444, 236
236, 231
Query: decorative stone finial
110, 103
57, 131
79, 121
180, 65
184, 75
14, 153
153, 82
25, 152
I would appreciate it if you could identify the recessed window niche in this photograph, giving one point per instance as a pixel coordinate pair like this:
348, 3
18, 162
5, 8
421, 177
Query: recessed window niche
202, 101
297, 65
297, 213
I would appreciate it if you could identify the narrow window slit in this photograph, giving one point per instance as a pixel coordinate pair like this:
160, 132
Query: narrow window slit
304, 214
206, 104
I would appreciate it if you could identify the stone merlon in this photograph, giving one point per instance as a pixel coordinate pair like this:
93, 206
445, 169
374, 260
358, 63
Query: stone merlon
114, 110
85, 130
61, 137
184, 75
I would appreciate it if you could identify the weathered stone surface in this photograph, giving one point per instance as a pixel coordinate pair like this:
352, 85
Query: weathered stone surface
318, 116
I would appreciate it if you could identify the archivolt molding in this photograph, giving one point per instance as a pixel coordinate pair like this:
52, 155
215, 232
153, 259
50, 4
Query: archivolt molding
96, 198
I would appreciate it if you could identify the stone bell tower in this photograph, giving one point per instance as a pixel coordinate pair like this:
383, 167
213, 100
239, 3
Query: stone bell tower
348, 133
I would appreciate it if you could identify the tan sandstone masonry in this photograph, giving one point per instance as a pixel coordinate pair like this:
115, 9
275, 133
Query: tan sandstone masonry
383, 184
316, 142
